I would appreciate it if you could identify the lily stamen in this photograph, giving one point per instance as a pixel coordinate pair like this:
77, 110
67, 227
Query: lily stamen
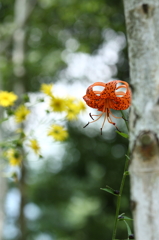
108, 98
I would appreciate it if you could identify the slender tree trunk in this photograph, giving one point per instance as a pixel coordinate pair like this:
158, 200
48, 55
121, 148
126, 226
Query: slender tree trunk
22, 10
142, 21
18, 57
3, 182
18, 53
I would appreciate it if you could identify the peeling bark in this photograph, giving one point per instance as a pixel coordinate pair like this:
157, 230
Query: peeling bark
142, 21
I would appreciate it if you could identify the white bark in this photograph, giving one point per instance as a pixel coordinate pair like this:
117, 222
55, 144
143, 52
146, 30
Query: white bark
142, 21
22, 11
18, 53
18, 57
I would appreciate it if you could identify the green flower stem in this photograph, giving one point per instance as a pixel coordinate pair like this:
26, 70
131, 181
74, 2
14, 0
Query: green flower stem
121, 186
126, 122
119, 196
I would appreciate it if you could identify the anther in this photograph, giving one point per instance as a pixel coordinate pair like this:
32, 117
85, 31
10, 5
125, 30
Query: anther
91, 116
101, 131
86, 125
117, 128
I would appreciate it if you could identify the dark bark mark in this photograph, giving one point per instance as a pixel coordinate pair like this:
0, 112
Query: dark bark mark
131, 87
147, 145
133, 205
136, 119
145, 8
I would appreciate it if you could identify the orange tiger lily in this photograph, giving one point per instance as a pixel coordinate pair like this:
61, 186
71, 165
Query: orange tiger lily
109, 98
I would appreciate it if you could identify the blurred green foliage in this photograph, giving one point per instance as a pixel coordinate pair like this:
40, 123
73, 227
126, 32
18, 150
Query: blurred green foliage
48, 27
71, 203
73, 206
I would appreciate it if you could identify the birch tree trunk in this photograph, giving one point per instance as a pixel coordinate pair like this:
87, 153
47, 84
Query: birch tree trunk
3, 184
142, 21
18, 58
22, 11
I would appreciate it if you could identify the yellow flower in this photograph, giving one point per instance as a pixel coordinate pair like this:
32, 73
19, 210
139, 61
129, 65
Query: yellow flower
81, 106
21, 113
35, 146
72, 112
57, 104
70, 100
14, 157
58, 132
7, 98
73, 108
47, 89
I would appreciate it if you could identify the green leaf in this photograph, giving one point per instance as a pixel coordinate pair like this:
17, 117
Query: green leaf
26, 98
126, 173
128, 228
127, 156
3, 120
127, 218
125, 135
121, 217
110, 190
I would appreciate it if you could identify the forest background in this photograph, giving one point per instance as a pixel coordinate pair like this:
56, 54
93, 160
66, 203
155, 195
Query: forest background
71, 44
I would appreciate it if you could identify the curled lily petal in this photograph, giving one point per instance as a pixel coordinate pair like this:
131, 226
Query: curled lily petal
113, 96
